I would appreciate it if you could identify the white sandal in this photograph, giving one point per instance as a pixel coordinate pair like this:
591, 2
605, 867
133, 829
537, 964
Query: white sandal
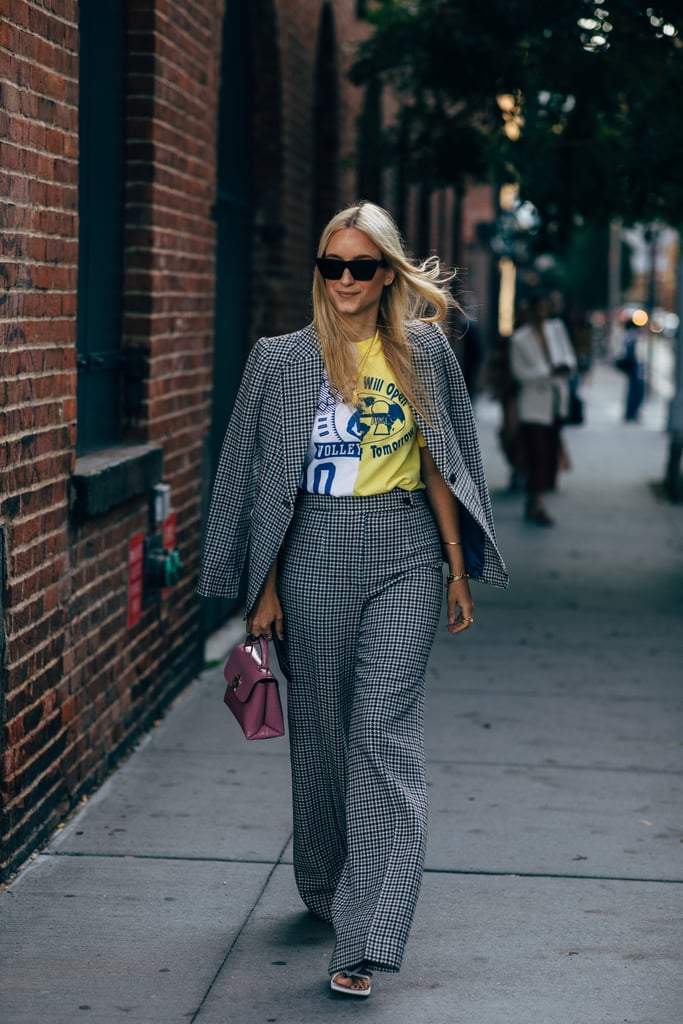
347, 990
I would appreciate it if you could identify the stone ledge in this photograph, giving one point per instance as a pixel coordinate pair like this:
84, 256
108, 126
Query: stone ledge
111, 476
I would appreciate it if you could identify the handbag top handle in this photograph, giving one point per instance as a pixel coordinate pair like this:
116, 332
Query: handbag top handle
251, 641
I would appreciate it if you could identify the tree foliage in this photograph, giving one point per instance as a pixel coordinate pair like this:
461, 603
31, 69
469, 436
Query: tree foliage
594, 89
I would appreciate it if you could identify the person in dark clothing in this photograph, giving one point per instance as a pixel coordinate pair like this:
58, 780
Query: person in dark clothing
629, 364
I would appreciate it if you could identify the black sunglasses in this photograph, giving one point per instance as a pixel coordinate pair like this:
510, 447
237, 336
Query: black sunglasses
360, 270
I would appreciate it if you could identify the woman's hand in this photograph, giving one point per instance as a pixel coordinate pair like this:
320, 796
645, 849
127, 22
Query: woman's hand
265, 617
460, 606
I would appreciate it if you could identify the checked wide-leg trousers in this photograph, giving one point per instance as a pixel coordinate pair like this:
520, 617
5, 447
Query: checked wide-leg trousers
360, 585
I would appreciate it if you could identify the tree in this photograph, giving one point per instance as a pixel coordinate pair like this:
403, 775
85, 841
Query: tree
576, 102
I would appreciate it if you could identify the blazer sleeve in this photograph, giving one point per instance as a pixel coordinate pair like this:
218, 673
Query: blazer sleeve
228, 525
482, 557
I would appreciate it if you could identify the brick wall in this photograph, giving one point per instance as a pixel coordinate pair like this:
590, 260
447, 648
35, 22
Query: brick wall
39, 188
77, 686
174, 63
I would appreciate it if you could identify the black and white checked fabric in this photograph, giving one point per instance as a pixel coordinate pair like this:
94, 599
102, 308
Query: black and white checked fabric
265, 446
454, 444
260, 465
361, 583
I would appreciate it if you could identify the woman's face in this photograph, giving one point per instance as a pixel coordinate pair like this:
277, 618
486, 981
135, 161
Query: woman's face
356, 300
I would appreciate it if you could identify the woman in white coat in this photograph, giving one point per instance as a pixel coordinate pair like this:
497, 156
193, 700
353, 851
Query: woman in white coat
542, 361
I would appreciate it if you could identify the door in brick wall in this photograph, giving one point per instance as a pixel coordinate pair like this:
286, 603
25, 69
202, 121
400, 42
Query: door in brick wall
233, 212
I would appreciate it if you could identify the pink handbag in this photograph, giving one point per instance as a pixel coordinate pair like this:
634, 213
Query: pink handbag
252, 693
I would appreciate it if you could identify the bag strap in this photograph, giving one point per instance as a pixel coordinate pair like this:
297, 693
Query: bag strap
263, 643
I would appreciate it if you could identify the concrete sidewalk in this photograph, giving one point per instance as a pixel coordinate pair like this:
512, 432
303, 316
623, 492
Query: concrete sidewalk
554, 887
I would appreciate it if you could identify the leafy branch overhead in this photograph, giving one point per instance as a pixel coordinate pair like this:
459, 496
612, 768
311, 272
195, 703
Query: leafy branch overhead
577, 100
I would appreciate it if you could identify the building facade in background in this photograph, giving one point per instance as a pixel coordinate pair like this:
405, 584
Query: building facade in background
165, 169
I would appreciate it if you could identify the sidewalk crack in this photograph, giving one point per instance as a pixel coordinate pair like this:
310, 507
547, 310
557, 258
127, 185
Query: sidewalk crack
244, 924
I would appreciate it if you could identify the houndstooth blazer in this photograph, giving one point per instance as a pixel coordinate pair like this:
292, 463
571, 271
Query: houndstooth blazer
266, 441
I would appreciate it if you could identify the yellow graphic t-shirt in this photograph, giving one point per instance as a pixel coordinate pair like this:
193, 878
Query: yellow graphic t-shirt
368, 448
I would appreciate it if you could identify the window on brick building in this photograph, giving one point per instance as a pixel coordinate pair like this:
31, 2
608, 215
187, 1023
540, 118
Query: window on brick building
100, 206
233, 214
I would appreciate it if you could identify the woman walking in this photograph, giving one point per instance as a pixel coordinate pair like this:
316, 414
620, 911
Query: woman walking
349, 473
542, 361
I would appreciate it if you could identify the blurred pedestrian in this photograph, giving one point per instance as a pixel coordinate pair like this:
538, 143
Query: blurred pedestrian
581, 335
542, 361
504, 388
629, 364
350, 471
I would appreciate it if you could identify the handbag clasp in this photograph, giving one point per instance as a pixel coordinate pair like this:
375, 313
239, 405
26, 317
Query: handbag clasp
236, 681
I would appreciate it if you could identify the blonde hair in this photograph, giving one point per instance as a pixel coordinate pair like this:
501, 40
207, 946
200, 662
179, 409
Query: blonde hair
418, 291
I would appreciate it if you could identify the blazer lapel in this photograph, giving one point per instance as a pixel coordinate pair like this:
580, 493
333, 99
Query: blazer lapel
300, 387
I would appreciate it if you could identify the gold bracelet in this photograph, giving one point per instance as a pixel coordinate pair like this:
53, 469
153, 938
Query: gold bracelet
455, 577
452, 543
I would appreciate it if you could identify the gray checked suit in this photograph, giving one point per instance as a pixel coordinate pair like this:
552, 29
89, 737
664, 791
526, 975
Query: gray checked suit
360, 580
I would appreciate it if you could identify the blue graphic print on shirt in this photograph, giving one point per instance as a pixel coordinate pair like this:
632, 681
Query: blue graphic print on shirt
333, 457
